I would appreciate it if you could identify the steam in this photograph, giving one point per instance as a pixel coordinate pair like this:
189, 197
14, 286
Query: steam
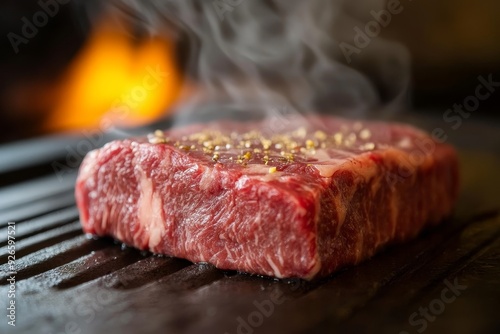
250, 57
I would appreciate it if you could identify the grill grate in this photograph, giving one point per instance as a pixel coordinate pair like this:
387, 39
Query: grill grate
66, 282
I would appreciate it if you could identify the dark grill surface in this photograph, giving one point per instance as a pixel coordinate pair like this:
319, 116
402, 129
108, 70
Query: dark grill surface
69, 283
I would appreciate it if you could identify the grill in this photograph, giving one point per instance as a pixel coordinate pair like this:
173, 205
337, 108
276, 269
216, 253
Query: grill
446, 280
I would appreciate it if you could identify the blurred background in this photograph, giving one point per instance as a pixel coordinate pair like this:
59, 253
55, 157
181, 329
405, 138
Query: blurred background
65, 64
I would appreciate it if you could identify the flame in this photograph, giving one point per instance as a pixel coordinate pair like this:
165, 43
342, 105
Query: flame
116, 81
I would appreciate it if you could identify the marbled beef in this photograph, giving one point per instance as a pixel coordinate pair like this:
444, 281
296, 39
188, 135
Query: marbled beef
301, 197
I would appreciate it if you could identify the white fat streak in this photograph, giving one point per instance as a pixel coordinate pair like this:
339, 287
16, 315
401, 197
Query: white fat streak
321, 155
281, 260
274, 267
150, 211
261, 172
327, 164
326, 170
206, 179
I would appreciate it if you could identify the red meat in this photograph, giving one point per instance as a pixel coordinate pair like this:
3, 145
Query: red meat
298, 198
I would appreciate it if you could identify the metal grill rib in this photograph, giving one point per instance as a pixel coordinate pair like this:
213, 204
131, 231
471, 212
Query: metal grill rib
63, 275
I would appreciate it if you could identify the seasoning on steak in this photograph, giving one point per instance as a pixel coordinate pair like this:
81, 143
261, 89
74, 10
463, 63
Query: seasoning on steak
320, 194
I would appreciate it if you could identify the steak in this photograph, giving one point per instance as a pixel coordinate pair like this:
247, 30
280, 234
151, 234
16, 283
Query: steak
301, 197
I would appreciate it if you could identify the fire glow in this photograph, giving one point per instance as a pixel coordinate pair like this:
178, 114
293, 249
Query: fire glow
117, 80
233, 65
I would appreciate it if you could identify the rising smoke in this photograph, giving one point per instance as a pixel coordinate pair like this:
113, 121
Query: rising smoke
249, 57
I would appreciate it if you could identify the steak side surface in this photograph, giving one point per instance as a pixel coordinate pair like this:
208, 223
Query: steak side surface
299, 198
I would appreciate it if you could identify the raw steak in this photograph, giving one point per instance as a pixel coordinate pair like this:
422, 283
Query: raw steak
301, 197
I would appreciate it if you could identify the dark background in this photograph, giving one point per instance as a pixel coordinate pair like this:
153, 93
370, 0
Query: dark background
451, 43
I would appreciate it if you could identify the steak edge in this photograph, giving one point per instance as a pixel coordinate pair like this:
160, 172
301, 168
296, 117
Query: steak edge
298, 199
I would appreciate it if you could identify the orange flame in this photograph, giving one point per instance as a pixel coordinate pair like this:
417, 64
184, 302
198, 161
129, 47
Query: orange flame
113, 80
